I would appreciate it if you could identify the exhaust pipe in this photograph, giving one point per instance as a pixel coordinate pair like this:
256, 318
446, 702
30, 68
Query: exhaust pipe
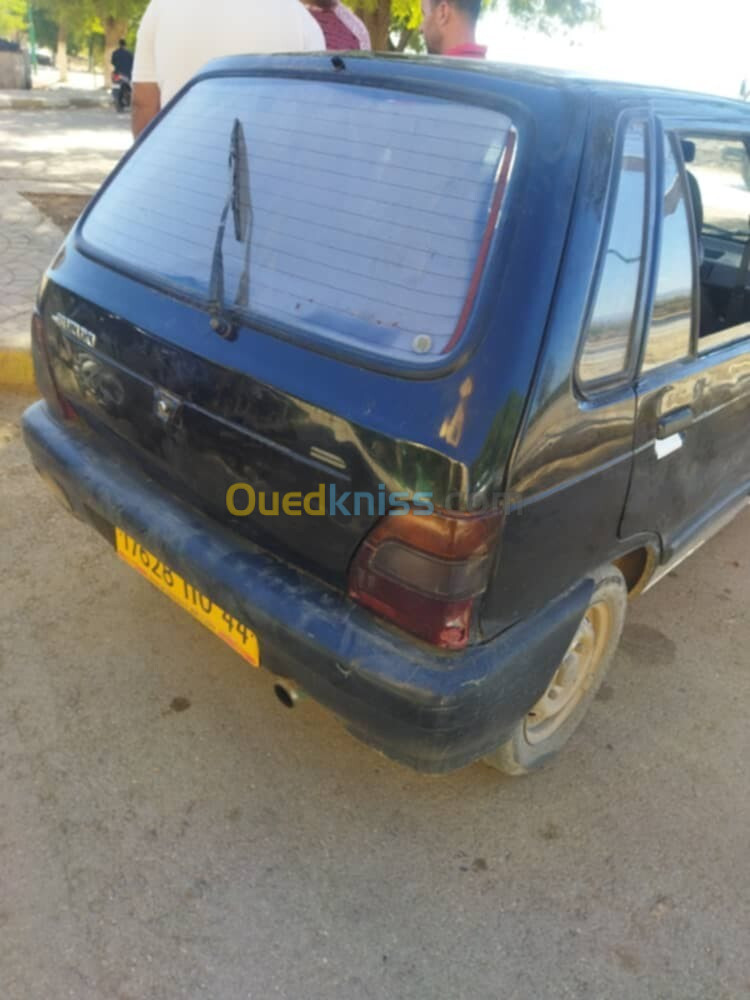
288, 693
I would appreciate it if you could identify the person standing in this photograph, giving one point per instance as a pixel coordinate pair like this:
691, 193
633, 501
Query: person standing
342, 29
176, 38
449, 28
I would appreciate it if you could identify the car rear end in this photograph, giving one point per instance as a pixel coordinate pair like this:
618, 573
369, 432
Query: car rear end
283, 358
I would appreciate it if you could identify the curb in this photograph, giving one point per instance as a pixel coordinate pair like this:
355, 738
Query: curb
40, 102
17, 369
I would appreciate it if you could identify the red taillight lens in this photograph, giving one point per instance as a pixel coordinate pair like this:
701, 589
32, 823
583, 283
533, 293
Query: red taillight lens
424, 572
43, 371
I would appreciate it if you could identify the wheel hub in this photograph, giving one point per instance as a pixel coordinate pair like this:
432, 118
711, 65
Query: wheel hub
573, 677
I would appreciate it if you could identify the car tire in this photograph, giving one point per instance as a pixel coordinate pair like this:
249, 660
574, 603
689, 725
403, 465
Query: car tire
548, 726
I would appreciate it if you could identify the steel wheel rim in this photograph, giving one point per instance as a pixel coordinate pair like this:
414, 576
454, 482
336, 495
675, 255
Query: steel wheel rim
573, 678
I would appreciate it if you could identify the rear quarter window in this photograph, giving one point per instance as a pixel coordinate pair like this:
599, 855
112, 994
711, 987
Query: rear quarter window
370, 208
608, 340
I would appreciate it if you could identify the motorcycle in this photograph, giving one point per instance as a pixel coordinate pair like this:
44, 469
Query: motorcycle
122, 91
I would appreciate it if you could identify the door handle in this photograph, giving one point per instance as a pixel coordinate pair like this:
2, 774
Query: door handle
674, 422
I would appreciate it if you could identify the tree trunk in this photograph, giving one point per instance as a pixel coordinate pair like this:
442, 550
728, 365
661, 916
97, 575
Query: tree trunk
379, 24
61, 59
114, 30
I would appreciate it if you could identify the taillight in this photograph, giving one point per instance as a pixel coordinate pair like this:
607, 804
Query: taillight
424, 572
43, 371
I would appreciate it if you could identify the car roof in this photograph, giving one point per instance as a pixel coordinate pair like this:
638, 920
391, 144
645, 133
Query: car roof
544, 91
604, 87
574, 85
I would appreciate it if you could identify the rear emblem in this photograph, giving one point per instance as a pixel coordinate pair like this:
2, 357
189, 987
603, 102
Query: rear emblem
165, 405
69, 326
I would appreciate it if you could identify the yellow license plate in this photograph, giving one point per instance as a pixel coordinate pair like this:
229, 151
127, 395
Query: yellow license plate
233, 632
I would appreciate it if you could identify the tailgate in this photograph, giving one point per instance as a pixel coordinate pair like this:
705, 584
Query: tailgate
200, 429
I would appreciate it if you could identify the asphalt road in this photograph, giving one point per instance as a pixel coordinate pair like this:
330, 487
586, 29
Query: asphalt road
168, 830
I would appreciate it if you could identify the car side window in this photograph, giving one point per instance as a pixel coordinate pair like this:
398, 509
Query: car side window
608, 339
670, 334
719, 176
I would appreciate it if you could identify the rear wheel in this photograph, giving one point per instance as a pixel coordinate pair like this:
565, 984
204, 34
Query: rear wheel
548, 726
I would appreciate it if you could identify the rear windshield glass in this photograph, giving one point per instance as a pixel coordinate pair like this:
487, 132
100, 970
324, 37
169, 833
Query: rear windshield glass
357, 215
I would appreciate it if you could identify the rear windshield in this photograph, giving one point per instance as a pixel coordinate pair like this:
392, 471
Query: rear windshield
362, 212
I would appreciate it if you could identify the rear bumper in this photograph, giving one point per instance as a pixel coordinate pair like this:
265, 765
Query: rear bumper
433, 711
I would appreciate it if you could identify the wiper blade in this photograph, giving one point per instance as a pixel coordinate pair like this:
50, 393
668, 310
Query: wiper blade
238, 202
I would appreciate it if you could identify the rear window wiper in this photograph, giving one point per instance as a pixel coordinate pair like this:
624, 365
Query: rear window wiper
239, 203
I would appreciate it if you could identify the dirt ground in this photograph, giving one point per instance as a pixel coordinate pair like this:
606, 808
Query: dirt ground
62, 209
168, 830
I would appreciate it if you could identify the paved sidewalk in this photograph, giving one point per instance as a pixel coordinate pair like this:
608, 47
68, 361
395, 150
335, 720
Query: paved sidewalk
51, 151
27, 243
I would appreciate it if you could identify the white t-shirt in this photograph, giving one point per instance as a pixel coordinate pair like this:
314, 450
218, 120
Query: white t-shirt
176, 38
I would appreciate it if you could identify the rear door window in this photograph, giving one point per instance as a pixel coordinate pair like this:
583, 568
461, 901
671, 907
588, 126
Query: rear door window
369, 209
670, 333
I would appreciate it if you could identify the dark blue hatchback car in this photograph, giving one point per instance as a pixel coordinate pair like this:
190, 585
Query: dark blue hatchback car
401, 375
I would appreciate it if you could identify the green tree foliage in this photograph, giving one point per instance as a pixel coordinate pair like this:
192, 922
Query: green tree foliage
117, 18
63, 24
549, 14
395, 23
45, 27
12, 18
72, 12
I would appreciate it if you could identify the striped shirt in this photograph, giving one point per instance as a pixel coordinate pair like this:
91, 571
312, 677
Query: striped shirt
342, 29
